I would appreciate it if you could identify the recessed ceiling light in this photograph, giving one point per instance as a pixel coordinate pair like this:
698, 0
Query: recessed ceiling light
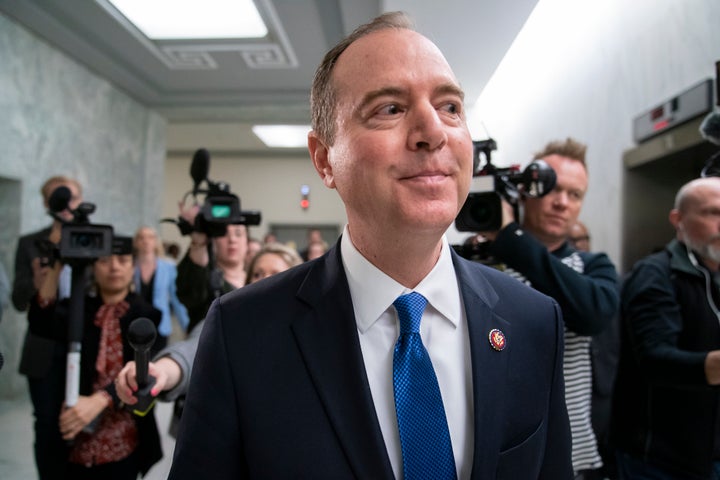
185, 19
282, 136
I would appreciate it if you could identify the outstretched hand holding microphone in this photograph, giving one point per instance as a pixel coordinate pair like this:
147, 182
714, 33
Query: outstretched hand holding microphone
139, 382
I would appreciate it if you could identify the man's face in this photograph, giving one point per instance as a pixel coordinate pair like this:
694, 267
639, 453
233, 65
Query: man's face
579, 237
699, 223
549, 218
402, 157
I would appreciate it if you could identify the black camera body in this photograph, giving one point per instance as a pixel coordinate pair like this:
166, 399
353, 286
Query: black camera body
80, 239
482, 211
85, 242
220, 208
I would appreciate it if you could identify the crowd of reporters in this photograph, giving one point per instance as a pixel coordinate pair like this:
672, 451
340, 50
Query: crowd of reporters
100, 436
667, 308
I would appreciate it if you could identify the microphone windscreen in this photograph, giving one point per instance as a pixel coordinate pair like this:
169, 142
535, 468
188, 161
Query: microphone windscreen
200, 165
59, 199
141, 334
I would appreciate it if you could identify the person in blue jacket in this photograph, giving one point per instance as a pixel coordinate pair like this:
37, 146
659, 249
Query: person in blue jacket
154, 281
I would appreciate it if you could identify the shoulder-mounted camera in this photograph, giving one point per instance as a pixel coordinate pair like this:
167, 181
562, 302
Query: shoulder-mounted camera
482, 211
220, 208
80, 239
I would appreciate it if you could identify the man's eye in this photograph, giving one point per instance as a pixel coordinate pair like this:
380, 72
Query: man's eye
451, 108
390, 109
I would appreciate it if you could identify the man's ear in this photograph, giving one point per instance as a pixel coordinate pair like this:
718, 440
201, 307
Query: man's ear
675, 219
319, 153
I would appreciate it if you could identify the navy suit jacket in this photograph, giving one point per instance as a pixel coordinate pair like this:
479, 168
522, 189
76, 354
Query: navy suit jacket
279, 388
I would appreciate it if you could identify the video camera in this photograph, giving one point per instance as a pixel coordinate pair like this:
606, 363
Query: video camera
220, 208
80, 240
482, 211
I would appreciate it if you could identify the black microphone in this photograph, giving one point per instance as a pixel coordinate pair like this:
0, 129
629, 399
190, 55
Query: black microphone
199, 168
59, 199
141, 336
538, 178
710, 128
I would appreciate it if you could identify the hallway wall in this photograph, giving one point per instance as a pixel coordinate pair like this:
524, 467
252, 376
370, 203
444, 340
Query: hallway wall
584, 69
60, 118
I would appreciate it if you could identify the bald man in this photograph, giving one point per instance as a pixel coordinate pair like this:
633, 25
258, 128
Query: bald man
665, 406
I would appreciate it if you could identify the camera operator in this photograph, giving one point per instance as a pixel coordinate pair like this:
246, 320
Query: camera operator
43, 359
584, 284
108, 441
194, 270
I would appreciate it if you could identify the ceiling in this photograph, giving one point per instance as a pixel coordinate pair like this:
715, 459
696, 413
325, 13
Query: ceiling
261, 80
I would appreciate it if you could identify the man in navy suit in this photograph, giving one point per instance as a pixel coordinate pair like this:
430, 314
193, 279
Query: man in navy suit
294, 374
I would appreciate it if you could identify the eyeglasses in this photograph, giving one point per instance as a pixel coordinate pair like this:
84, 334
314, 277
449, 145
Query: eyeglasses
584, 238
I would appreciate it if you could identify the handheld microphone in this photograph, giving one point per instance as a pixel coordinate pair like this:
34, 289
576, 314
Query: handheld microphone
141, 336
199, 168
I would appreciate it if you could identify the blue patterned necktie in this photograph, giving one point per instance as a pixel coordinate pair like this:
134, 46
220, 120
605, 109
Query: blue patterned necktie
424, 435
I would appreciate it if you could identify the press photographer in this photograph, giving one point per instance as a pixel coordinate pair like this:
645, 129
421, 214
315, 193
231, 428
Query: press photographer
483, 210
536, 249
95, 327
218, 241
43, 360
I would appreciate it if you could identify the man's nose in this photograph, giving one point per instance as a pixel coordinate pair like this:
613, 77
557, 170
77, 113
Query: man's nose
560, 199
427, 131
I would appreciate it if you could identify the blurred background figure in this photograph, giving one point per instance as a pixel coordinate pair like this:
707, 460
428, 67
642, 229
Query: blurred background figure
154, 281
199, 283
254, 246
43, 359
271, 259
314, 235
118, 445
665, 418
172, 250
316, 249
579, 237
270, 237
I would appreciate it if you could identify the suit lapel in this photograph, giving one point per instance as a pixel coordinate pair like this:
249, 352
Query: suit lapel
328, 340
489, 366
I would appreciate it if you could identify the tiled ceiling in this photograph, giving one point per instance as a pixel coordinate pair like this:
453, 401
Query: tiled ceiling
260, 80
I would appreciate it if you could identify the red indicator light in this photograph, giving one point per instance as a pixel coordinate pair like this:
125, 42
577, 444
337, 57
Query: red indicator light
304, 203
661, 125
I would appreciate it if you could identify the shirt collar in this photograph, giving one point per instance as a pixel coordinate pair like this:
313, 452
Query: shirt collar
373, 291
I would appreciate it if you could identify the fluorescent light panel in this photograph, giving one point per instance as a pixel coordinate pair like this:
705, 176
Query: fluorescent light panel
282, 136
186, 19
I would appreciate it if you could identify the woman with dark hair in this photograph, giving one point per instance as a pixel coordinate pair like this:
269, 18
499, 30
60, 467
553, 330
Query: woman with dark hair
108, 441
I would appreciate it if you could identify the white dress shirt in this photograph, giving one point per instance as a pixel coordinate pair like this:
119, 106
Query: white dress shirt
444, 333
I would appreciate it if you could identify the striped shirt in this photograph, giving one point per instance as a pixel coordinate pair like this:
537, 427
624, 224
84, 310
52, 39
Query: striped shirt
578, 385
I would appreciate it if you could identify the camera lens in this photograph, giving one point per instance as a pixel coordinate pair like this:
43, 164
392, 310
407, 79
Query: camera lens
482, 212
85, 240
